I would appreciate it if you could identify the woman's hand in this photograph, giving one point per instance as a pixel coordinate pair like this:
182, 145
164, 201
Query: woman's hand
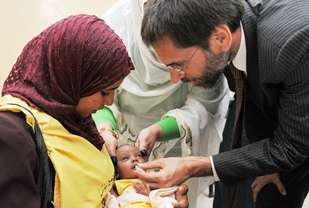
111, 141
262, 181
147, 138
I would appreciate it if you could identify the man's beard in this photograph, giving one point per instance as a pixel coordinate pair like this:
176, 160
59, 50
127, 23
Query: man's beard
212, 71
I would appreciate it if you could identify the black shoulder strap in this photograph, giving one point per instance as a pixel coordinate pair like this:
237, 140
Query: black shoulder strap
44, 168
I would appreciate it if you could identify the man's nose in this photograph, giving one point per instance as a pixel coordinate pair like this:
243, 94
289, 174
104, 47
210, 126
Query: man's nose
175, 76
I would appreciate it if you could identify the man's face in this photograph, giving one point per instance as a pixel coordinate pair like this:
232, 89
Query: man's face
201, 68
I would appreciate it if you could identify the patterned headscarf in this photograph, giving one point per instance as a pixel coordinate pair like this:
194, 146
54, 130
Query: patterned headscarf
73, 58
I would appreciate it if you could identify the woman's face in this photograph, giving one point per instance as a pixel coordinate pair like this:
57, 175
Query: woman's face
90, 104
128, 156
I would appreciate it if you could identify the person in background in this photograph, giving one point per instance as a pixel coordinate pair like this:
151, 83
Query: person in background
129, 191
152, 112
62, 76
273, 62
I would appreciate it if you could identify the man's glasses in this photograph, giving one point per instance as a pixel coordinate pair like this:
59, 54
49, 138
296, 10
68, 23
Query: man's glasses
180, 71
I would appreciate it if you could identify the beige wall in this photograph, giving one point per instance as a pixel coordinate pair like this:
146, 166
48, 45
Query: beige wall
21, 20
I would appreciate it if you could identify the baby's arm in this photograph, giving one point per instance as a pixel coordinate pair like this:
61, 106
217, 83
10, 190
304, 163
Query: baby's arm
140, 187
111, 199
113, 192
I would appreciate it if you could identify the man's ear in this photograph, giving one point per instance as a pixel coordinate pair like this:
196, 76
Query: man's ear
221, 39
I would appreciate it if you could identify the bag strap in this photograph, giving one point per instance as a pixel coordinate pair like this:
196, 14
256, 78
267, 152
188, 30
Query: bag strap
44, 168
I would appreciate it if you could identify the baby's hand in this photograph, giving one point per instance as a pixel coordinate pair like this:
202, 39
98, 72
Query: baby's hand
141, 188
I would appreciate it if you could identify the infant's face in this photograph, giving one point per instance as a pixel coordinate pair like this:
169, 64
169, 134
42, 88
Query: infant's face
128, 157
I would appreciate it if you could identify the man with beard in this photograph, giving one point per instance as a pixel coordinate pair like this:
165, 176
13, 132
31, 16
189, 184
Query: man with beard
268, 44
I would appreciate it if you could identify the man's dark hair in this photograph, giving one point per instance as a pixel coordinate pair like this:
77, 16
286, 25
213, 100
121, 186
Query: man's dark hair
188, 22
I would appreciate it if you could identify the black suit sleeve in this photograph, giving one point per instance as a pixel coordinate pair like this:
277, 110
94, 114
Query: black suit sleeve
288, 148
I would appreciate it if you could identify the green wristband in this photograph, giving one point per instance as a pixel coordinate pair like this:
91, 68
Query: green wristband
105, 115
169, 128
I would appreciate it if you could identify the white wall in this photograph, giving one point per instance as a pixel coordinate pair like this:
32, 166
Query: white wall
21, 20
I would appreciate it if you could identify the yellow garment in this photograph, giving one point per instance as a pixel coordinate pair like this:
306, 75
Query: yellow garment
125, 188
84, 174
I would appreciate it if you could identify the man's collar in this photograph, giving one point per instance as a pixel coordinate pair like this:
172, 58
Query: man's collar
240, 60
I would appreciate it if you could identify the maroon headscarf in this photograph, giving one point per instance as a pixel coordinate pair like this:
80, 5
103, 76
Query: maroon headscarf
73, 58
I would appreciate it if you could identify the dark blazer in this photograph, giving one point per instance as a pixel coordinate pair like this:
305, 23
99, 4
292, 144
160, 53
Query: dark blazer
277, 105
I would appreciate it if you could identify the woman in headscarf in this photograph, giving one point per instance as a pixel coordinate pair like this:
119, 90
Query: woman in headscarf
62, 76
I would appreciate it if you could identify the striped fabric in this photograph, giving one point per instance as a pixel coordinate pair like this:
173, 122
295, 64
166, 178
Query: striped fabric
277, 105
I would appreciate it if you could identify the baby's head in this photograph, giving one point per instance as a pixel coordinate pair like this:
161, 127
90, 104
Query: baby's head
128, 156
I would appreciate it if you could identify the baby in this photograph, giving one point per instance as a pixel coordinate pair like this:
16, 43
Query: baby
130, 191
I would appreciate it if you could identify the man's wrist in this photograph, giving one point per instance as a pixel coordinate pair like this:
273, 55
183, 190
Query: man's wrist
200, 166
214, 172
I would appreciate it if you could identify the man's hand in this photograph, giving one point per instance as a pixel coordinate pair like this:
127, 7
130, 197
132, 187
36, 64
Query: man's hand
173, 171
262, 181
